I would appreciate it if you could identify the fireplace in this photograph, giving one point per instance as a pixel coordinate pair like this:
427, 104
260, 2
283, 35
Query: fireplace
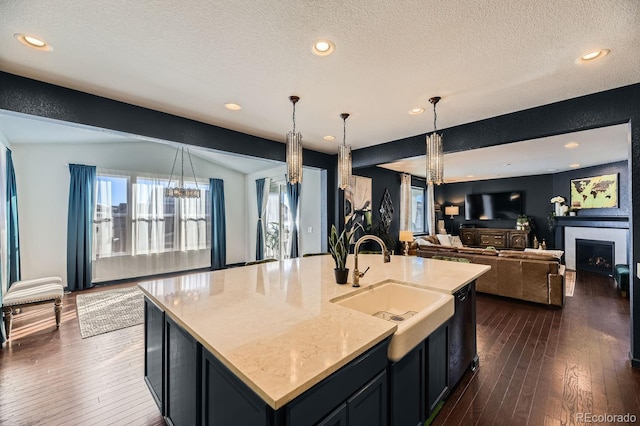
595, 256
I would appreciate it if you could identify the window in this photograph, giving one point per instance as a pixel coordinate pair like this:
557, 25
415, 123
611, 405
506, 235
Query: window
278, 222
418, 208
132, 217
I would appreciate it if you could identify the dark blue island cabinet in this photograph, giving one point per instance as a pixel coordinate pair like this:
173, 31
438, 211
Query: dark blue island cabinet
192, 387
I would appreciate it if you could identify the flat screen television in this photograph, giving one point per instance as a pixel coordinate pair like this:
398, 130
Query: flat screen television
492, 206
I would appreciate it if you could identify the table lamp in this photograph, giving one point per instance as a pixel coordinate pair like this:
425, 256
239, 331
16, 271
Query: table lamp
452, 211
406, 237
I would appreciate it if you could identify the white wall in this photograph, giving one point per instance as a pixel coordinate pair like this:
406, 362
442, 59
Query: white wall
310, 210
42, 175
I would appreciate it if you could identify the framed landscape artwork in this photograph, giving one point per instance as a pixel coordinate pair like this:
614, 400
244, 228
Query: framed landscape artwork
595, 192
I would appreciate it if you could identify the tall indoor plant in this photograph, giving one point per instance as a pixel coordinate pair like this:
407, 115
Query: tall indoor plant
339, 248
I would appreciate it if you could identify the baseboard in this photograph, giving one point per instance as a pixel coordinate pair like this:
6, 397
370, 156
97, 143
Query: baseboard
635, 363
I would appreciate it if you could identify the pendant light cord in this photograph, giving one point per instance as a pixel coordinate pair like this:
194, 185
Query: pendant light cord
344, 131
294, 117
435, 116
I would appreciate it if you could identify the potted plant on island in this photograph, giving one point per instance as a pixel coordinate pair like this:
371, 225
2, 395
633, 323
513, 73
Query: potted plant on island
339, 249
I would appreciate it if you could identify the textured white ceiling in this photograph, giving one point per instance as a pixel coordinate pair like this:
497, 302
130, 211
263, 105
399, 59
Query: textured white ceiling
485, 58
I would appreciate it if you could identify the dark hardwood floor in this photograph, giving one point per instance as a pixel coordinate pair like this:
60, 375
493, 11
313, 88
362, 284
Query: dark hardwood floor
537, 366
544, 366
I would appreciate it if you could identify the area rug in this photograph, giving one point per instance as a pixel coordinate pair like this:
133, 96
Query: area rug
569, 283
104, 311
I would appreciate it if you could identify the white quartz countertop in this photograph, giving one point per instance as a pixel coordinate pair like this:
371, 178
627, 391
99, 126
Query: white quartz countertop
273, 324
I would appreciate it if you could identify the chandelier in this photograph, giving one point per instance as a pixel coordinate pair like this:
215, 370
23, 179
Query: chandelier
435, 156
294, 149
181, 191
344, 158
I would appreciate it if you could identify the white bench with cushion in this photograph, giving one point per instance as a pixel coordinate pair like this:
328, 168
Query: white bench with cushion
32, 292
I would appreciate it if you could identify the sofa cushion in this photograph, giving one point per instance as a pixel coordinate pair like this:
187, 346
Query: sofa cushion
477, 250
526, 255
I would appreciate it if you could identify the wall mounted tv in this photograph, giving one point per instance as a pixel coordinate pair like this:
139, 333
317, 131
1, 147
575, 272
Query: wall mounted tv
492, 206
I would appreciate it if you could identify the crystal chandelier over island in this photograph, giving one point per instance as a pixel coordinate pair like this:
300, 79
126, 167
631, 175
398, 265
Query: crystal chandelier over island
435, 156
294, 149
344, 157
182, 191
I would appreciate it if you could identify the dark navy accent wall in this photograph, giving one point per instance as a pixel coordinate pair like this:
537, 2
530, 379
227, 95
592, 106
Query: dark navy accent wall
562, 182
536, 191
382, 179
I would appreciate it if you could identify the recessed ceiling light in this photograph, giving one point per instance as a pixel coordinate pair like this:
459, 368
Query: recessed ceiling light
596, 54
469, 176
323, 47
551, 170
574, 165
329, 138
233, 107
571, 145
416, 111
34, 42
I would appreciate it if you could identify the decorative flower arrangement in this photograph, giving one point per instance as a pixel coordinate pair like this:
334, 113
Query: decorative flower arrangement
558, 199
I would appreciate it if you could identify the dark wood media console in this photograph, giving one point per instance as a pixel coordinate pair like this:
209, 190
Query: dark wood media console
498, 238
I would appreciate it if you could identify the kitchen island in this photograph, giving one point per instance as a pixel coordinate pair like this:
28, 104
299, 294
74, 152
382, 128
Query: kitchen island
266, 342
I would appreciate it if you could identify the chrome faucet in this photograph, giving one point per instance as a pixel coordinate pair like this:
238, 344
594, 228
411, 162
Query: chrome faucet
385, 253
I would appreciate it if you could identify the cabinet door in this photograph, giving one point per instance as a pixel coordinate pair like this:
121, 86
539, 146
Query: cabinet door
368, 407
337, 418
182, 403
154, 351
407, 388
437, 362
518, 240
468, 237
226, 400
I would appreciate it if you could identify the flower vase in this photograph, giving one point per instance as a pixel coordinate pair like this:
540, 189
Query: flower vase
558, 209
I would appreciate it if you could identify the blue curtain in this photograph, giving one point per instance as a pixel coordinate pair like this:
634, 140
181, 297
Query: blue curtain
259, 232
79, 226
3, 336
218, 225
293, 194
13, 245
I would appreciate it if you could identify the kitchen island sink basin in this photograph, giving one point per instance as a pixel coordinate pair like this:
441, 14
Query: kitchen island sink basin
417, 311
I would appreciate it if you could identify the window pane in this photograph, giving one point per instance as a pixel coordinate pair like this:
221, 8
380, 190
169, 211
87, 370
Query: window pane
110, 218
417, 210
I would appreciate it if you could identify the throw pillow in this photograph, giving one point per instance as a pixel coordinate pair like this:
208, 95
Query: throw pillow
456, 241
444, 239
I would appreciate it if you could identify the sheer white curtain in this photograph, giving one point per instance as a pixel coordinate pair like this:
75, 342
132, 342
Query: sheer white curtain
138, 232
431, 206
405, 202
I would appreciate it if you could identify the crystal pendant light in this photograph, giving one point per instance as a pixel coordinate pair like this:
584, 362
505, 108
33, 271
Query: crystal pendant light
294, 149
435, 156
344, 158
181, 191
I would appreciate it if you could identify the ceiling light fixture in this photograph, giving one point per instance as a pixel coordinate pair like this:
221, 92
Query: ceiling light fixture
574, 165
416, 111
344, 157
233, 107
323, 47
596, 54
435, 155
329, 138
182, 191
294, 149
571, 145
34, 42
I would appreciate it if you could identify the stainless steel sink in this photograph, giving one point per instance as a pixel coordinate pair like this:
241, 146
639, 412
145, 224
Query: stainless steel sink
417, 311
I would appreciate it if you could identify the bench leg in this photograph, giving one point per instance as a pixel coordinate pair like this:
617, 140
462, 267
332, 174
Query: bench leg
7, 316
57, 308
